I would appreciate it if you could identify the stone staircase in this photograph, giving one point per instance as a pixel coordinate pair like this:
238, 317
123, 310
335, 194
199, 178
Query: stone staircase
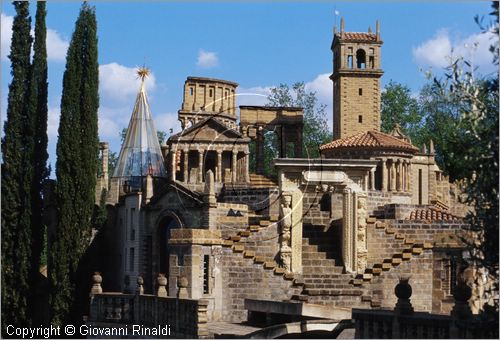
393, 249
261, 181
243, 242
324, 279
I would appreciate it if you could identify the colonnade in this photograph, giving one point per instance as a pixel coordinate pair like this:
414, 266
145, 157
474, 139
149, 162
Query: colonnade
239, 165
396, 175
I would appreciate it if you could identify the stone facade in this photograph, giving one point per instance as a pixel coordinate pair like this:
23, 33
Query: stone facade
338, 231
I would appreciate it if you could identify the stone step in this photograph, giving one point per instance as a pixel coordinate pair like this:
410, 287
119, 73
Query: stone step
227, 243
270, 265
264, 223
417, 250
259, 259
386, 266
279, 271
428, 245
396, 261
238, 248
300, 297
399, 236
244, 233
235, 238
409, 241
390, 230
407, 255
249, 253
298, 282
289, 276
371, 220
254, 228
367, 276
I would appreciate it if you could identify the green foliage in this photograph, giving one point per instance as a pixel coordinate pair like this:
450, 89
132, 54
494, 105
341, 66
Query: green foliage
77, 163
399, 107
16, 206
37, 106
473, 154
315, 132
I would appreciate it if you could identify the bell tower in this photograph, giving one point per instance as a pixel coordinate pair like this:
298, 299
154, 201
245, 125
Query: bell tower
356, 81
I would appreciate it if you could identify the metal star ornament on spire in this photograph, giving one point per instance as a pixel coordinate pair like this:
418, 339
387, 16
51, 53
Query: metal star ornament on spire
143, 72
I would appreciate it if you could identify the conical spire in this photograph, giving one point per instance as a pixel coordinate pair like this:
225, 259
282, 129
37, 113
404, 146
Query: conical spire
140, 154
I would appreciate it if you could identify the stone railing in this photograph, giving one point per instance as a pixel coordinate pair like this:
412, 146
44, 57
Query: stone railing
404, 323
177, 317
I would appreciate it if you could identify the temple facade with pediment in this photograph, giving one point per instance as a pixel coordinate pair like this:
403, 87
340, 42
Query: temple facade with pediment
327, 234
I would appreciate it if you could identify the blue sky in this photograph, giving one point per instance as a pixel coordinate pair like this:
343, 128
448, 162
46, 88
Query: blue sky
258, 45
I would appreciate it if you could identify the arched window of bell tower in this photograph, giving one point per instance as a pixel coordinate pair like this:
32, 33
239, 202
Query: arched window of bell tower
361, 58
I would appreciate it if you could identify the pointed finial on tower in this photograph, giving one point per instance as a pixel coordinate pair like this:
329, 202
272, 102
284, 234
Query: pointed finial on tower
341, 24
378, 30
143, 73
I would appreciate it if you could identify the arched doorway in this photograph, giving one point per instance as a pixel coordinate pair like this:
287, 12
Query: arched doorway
167, 223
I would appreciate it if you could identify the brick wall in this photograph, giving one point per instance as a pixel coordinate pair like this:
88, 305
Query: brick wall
265, 201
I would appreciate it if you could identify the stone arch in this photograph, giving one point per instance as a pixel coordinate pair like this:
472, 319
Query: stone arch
166, 221
306, 329
361, 58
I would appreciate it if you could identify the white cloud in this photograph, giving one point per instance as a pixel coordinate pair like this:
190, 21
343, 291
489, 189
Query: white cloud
167, 121
56, 45
323, 87
438, 51
53, 122
253, 96
120, 83
207, 59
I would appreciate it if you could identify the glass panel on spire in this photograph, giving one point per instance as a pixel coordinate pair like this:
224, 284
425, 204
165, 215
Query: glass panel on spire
140, 154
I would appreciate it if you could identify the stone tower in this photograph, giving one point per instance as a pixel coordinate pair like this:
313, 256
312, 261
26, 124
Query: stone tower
356, 81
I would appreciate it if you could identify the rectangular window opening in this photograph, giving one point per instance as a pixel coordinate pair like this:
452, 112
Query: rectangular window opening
205, 273
191, 91
360, 91
360, 119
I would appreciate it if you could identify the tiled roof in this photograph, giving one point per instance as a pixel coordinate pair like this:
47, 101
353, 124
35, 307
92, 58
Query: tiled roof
358, 36
432, 214
369, 139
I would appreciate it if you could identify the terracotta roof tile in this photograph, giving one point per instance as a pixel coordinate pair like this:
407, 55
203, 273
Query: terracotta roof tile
358, 36
432, 214
369, 139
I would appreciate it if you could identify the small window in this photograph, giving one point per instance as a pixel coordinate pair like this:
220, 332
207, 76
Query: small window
349, 61
360, 92
191, 91
205, 274
210, 93
360, 119
372, 62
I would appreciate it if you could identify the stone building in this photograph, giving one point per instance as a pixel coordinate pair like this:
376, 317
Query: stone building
337, 231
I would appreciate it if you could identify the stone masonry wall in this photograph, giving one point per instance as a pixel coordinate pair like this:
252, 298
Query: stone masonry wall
265, 201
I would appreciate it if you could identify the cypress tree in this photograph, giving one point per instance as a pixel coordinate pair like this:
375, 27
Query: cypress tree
16, 207
38, 111
76, 167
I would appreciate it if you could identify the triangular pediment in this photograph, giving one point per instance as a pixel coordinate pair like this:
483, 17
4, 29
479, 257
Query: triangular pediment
210, 129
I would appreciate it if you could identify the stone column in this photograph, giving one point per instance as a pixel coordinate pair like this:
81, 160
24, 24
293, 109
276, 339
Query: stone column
233, 166
173, 164
200, 166
347, 230
385, 176
408, 176
259, 152
372, 182
247, 166
186, 165
282, 138
392, 173
296, 232
218, 175
403, 176
398, 175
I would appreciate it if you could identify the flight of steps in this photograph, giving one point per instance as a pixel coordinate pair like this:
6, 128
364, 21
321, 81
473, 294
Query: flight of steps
249, 245
393, 249
261, 181
323, 278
